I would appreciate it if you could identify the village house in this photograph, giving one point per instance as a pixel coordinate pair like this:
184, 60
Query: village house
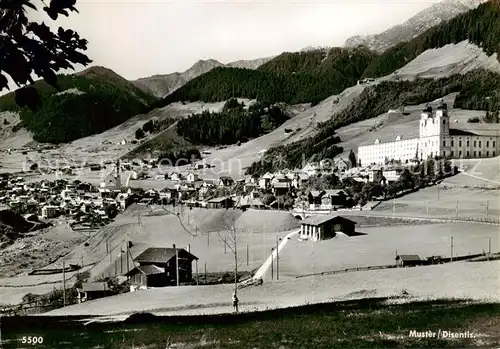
300, 181
408, 260
249, 187
265, 181
192, 177
321, 227
341, 165
49, 211
169, 193
159, 267
311, 170
225, 181
222, 202
246, 202
93, 290
375, 175
281, 188
175, 176
327, 199
392, 174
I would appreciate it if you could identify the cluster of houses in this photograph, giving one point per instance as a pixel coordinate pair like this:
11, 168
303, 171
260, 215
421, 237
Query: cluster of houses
50, 199
188, 188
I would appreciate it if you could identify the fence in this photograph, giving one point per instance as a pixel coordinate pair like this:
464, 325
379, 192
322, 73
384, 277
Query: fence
24, 309
427, 261
377, 267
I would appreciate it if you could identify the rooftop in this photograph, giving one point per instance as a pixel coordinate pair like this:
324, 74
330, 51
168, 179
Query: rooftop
321, 219
160, 254
94, 287
408, 257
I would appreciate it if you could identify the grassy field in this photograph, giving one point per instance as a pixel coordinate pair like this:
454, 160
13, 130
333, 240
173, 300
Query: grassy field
355, 324
461, 280
197, 228
445, 202
380, 244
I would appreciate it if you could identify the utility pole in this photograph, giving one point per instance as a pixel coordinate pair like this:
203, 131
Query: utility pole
394, 206
176, 265
427, 207
438, 191
272, 265
489, 246
110, 252
225, 246
487, 205
247, 255
128, 269
205, 273
197, 275
64, 284
277, 260
451, 259
456, 210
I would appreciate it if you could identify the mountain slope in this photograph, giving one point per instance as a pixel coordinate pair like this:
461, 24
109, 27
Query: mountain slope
162, 85
89, 102
415, 26
292, 78
480, 26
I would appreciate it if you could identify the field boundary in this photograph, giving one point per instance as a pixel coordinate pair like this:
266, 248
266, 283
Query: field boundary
391, 266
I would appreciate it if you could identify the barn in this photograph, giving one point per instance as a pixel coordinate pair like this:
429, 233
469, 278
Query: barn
222, 202
93, 290
158, 267
408, 260
322, 227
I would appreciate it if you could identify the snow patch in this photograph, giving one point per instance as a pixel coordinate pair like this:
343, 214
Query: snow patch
450, 59
74, 91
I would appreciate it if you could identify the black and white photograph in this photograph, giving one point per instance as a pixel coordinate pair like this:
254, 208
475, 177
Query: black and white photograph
179, 174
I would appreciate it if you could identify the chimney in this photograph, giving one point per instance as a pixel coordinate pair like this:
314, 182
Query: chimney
173, 246
189, 248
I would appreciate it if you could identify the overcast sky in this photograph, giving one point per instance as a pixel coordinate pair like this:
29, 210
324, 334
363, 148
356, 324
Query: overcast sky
142, 38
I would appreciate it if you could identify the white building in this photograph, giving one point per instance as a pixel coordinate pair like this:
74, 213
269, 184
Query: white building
436, 138
49, 211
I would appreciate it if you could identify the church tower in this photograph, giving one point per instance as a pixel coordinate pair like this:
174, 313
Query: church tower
118, 175
434, 132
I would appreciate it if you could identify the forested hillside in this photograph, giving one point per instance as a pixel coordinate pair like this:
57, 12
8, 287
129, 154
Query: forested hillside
480, 26
88, 103
477, 90
292, 78
233, 124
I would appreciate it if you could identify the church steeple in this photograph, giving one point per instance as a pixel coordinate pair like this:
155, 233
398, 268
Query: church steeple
118, 175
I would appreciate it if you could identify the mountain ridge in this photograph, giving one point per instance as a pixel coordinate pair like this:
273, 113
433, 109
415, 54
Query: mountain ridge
160, 85
414, 26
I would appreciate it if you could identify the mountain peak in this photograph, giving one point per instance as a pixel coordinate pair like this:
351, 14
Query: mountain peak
416, 25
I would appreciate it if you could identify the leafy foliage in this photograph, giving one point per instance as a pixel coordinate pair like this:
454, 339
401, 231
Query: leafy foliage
480, 26
28, 47
291, 77
492, 117
139, 133
97, 103
234, 124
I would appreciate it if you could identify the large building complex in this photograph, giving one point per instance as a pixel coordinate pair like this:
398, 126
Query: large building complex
436, 138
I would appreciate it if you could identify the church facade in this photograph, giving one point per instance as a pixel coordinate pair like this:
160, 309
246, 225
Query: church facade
436, 138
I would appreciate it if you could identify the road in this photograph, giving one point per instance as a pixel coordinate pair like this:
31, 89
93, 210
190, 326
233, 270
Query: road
265, 266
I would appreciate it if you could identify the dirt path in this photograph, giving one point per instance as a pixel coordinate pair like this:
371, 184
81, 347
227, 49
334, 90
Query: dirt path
263, 269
